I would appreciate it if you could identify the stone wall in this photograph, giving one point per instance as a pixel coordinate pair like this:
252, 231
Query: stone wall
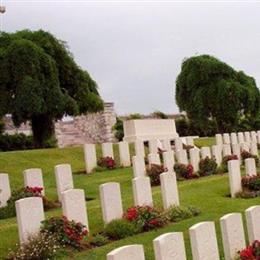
90, 128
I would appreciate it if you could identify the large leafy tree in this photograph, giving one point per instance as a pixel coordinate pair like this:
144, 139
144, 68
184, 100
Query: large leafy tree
40, 82
209, 89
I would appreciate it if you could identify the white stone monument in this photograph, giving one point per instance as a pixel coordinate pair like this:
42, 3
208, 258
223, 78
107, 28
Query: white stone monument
234, 175
182, 157
253, 148
219, 140
5, 191
139, 169
241, 138
142, 191
124, 154
153, 148
154, 158
107, 150
33, 178
195, 158
90, 157
168, 160
226, 150
205, 152
217, 153
250, 166
139, 148
247, 137
253, 223
226, 138
233, 137
178, 144
131, 252
166, 145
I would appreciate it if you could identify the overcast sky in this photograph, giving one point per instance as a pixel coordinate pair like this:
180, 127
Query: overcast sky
134, 49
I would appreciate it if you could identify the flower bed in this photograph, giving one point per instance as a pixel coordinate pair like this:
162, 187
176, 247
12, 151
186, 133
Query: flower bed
252, 252
250, 186
106, 163
245, 155
224, 164
184, 171
153, 171
207, 166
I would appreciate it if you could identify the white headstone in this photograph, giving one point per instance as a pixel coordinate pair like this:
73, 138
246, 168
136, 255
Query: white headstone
244, 147
241, 138
247, 137
142, 191
253, 136
253, 148
107, 150
217, 153
258, 137
253, 223
219, 140
124, 154
205, 152
169, 246
139, 148
33, 178
132, 252
168, 160
203, 241
182, 157
189, 140
74, 206
138, 166
234, 177
153, 149
154, 158
226, 138
169, 189
90, 157
233, 137
226, 150
166, 145
30, 214
236, 150
233, 236
195, 158
64, 180
111, 202
178, 144
5, 191
250, 166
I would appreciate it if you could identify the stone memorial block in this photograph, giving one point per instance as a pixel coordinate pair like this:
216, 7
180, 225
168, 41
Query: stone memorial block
217, 153
247, 137
253, 223
29, 214
33, 178
233, 138
168, 160
244, 147
169, 189
132, 252
169, 246
182, 157
153, 148
241, 138
195, 158
111, 202
253, 136
139, 148
233, 236
138, 166
234, 175
253, 148
226, 138
90, 157
250, 166
258, 137
107, 150
189, 141
154, 158
178, 144
226, 150
219, 139
64, 180
236, 150
142, 191
74, 206
5, 191
124, 154
167, 145
203, 241
205, 152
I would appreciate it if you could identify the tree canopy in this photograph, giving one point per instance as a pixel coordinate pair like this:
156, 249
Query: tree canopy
40, 82
209, 89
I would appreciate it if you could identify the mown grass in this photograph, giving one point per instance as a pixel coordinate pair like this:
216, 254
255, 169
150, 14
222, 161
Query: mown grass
210, 194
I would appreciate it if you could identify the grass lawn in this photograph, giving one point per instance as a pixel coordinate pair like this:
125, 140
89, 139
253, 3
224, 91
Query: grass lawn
208, 193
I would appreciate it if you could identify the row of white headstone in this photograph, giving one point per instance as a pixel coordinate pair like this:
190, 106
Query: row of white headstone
240, 137
170, 246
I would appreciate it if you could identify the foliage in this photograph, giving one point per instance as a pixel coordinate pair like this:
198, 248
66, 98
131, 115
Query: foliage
251, 182
99, 240
177, 213
184, 171
224, 164
107, 162
40, 82
218, 92
38, 247
145, 217
154, 171
15, 142
119, 129
252, 252
159, 114
207, 166
120, 228
68, 233
134, 116
245, 154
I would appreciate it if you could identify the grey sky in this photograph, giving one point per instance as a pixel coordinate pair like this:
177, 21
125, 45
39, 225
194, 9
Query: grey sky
134, 50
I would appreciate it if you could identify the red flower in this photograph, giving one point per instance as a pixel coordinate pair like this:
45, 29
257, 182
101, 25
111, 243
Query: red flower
154, 222
247, 254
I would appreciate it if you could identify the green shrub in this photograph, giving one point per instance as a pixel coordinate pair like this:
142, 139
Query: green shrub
177, 213
120, 228
42, 246
119, 129
159, 114
153, 171
184, 171
207, 166
99, 240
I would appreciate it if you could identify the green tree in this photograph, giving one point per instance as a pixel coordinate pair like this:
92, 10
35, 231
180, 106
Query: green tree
41, 82
208, 88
